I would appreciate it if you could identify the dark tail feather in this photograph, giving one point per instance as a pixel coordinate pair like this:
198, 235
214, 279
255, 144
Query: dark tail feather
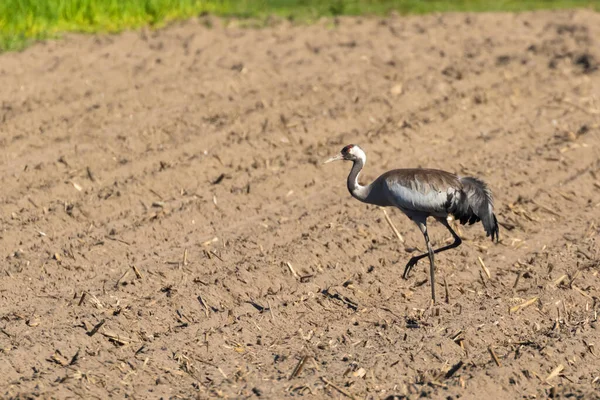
479, 207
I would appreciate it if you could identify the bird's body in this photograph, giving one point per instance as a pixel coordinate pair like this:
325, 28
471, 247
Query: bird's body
422, 193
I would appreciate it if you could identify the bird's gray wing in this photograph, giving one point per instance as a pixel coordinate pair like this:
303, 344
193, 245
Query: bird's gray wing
420, 190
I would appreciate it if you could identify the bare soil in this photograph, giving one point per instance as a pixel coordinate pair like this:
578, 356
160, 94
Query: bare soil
168, 229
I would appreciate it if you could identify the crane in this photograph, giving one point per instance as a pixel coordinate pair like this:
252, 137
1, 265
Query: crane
421, 193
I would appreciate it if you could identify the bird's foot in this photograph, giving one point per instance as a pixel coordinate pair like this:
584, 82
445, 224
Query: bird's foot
411, 263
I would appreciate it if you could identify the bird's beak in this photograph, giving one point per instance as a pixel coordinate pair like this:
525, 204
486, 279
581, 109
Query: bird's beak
337, 157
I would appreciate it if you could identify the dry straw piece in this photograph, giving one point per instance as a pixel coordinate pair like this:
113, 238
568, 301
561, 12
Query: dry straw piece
555, 372
484, 268
522, 305
494, 356
299, 367
391, 224
339, 389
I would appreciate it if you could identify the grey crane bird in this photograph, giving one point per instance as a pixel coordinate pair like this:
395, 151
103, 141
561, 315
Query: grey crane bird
421, 193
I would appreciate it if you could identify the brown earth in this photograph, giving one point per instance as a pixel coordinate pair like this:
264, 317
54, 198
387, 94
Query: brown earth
169, 231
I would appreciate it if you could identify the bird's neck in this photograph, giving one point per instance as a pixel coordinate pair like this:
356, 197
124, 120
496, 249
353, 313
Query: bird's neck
356, 189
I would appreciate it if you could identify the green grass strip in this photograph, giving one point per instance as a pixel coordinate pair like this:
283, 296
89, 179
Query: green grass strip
24, 21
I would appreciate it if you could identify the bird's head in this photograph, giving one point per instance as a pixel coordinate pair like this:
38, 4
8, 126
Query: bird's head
351, 152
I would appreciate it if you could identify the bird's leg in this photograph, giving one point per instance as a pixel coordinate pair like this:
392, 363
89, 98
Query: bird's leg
413, 261
423, 226
431, 265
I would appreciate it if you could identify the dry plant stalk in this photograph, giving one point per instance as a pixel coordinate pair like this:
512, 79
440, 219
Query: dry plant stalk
299, 367
82, 299
59, 359
137, 272
546, 208
522, 305
391, 224
447, 292
484, 268
96, 328
517, 280
121, 278
271, 310
339, 389
494, 356
580, 291
116, 338
289, 265
555, 372
559, 280
213, 240
201, 300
